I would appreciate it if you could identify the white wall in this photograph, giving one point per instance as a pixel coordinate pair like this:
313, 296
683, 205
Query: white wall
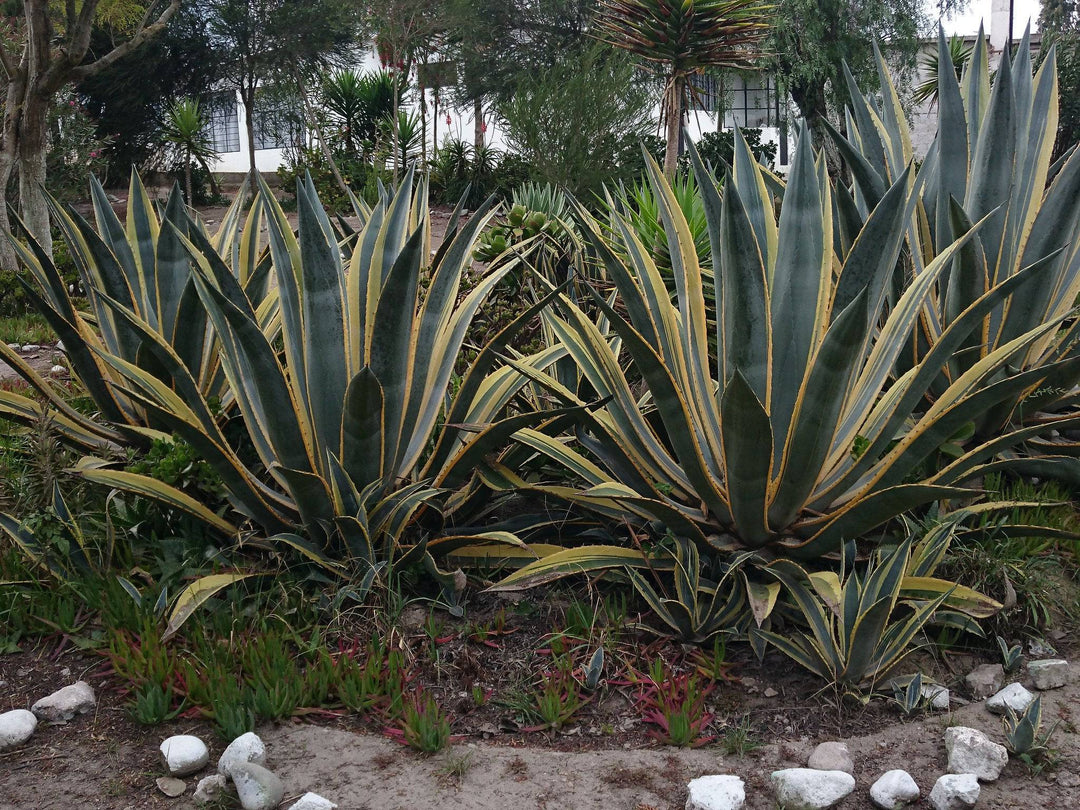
461, 127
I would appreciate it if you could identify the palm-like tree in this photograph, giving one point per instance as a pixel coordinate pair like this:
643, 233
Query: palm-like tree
185, 128
684, 37
927, 90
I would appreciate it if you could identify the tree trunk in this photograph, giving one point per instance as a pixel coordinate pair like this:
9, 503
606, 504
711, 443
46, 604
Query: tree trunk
8, 159
478, 124
215, 189
33, 145
395, 125
811, 100
673, 98
187, 181
247, 96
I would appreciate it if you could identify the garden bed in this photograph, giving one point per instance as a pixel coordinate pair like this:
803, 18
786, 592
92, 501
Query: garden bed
767, 716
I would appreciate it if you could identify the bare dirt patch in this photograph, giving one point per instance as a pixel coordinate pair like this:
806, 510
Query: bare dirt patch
104, 760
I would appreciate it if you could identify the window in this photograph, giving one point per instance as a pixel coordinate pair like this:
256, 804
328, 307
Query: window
222, 125
753, 102
706, 92
274, 124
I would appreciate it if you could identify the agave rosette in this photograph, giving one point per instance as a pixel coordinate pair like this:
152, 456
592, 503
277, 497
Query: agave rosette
991, 162
799, 435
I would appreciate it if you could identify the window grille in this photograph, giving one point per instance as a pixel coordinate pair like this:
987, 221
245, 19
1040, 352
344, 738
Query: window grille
274, 122
754, 102
222, 125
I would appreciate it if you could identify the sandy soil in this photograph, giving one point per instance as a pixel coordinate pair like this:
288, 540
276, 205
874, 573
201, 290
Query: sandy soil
105, 761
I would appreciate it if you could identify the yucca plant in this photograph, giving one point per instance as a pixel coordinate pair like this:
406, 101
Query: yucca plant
135, 270
927, 89
683, 38
797, 436
990, 164
348, 409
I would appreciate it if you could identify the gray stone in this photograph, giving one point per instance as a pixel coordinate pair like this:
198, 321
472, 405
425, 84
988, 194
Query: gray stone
258, 788
184, 754
985, 680
171, 786
935, 694
893, 790
63, 704
210, 789
831, 756
1050, 673
57, 369
14, 346
313, 801
245, 748
31, 347
1040, 648
16, 727
971, 751
955, 791
1014, 696
808, 789
720, 792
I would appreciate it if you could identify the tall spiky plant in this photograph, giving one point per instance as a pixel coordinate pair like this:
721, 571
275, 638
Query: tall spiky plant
684, 38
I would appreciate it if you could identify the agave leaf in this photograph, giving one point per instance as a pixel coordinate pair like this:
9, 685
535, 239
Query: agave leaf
195, 595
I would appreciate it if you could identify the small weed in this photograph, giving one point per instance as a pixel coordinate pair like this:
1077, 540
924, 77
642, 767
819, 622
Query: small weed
457, 765
713, 665
424, 725
675, 706
153, 704
480, 696
232, 719
558, 698
738, 740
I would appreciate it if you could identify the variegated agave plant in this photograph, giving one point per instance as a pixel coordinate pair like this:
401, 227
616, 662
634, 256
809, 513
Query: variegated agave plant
347, 402
990, 163
799, 436
143, 268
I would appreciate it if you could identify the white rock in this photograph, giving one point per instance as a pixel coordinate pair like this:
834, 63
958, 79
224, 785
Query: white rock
31, 347
14, 346
258, 788
63, 704
57, 369
16, 727
831, 756
313, 801
985, 680
720, 792
935, 694
893, 790
955, 792
171, 786
210, 788
807, 789
1014, 696
971, 751
60, 346
1050, 673
245, 748
184, 754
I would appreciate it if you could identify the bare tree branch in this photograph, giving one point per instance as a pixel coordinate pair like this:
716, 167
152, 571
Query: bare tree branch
145, 31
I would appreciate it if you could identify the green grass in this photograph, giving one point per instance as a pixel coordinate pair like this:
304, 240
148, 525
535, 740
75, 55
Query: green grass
30, 328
